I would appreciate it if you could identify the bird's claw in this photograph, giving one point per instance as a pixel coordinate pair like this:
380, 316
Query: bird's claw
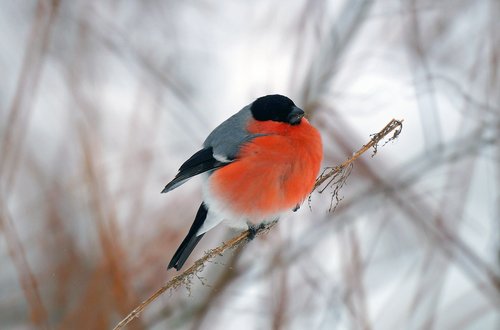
254, 229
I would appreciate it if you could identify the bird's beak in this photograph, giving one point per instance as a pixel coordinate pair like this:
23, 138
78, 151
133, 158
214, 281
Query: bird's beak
295, 116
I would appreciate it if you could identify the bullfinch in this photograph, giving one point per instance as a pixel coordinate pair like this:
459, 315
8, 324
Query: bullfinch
257, 164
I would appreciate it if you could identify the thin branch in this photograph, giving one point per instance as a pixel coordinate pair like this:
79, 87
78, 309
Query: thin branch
185, 277
330, 172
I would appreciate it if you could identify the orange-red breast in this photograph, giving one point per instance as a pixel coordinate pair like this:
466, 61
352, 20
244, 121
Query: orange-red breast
259, 163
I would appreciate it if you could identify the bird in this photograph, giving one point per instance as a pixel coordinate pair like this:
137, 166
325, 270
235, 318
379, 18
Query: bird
258, 164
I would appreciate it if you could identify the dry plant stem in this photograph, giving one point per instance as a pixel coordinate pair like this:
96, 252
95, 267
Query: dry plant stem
185, 277
393, 125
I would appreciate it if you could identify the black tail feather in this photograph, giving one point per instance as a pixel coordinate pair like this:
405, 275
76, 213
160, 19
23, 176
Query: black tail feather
188, 244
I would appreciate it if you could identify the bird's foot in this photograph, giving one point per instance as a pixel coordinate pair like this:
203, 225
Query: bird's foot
254, 229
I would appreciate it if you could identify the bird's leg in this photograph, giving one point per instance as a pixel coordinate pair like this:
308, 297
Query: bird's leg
254, 229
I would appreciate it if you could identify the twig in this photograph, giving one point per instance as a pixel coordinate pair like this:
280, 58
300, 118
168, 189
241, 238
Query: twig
393, 125
185, 277
330, 173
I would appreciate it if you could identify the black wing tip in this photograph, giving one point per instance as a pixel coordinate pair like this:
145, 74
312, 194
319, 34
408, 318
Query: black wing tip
176, 182
201, 162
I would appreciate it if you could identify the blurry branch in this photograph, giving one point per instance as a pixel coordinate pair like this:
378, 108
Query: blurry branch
29, 284
332, 48
467, 96
13, 133
329, 174
12, 136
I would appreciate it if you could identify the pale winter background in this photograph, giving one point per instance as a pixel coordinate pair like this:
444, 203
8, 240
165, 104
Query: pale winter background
101, 101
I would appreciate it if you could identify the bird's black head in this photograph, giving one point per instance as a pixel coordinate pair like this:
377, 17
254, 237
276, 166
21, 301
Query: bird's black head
276, 108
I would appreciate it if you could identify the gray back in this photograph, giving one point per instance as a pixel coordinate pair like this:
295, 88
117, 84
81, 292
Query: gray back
227, 138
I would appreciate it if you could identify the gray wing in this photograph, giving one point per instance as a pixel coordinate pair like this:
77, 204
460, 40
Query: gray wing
227, 138
219, 149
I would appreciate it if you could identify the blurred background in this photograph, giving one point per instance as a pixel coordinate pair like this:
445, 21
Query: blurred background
101, 101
